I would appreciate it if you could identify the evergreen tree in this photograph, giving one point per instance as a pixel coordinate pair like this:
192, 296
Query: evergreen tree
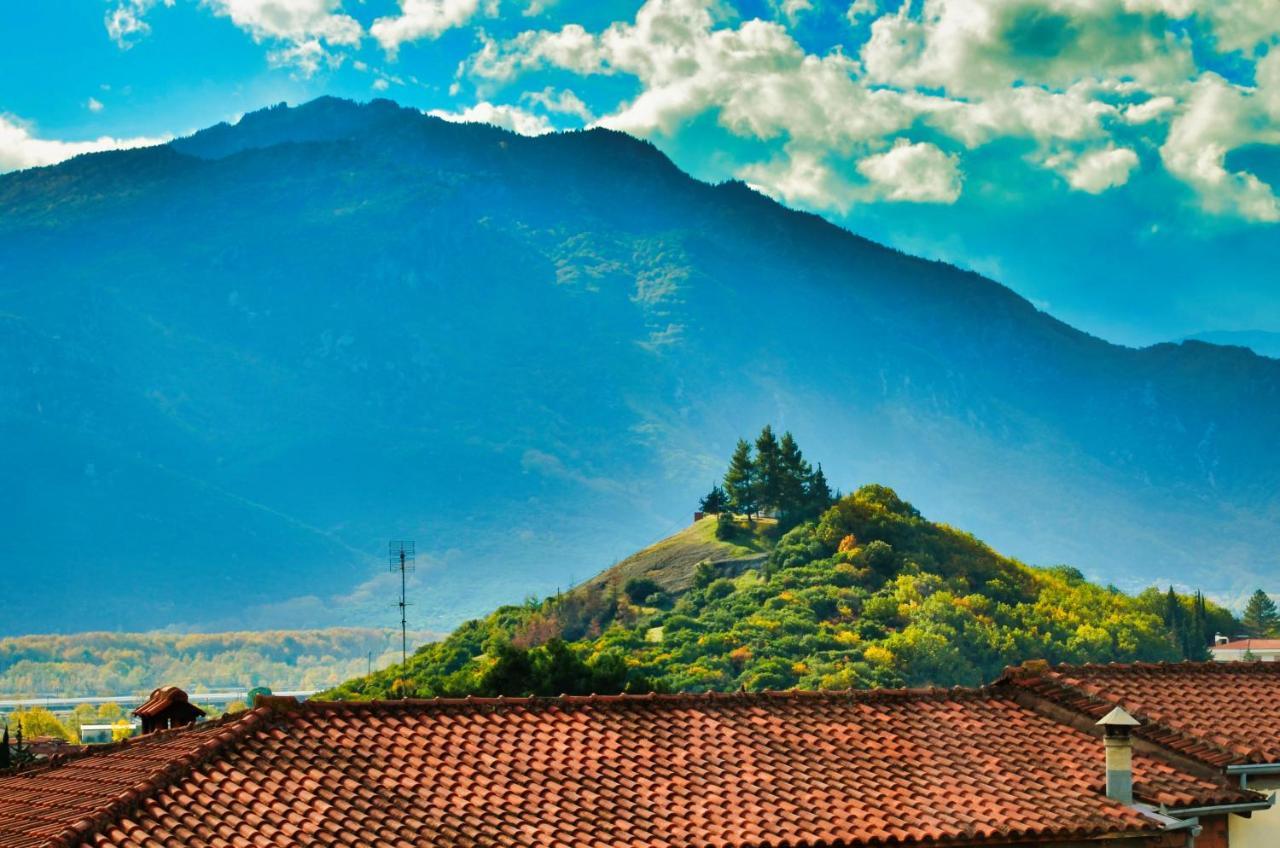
794, 475
768, 471
818, 493
740, 480
714, 502
1173, 619
5, 760
1260, 616
1200, 637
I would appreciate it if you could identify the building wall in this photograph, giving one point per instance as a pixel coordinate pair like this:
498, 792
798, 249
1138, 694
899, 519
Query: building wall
1262, 829
1234, 655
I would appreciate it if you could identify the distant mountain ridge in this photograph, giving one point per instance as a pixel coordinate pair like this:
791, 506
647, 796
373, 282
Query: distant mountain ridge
1261, 342
238, 363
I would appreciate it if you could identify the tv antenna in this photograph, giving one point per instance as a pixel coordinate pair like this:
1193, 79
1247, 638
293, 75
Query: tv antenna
401, 559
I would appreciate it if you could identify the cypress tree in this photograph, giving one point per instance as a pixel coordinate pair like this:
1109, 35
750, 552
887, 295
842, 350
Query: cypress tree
740, 480
768, 470
6, 761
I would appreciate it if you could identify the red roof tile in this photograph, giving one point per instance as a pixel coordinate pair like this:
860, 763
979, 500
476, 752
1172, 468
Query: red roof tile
1218, 713
834, 769
1251, 644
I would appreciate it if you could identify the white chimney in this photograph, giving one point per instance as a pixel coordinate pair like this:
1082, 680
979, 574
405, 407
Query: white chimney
1219, 639
1118, 725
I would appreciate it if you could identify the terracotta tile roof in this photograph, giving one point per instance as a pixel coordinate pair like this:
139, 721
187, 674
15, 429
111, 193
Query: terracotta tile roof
1218, 713
795, 769
1254, 644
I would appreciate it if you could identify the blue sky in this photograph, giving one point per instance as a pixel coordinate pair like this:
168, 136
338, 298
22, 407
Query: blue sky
1115, 161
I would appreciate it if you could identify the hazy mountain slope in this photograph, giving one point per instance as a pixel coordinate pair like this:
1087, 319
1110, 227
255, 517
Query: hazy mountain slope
235, 365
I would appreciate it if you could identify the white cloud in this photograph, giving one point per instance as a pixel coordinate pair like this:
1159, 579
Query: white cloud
1219, 118
1097, 170
20, 148
420, 19
508, 117
303, 32
919, 173
380, 84
126, 23
93, 104
860, 9
563, 102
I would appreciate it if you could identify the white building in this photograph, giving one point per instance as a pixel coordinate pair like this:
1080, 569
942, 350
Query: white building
1234, 650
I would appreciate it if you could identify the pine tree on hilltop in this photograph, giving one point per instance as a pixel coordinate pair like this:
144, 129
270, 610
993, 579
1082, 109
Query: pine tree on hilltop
768, 471
714, 502
1261, 619
794, 474
817, 493
740, 480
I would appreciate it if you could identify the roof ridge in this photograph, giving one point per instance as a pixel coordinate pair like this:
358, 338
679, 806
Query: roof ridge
238, 727
1153, 729
1212, 666
672, 699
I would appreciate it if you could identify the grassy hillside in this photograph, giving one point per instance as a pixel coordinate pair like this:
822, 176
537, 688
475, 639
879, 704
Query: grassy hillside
129, 663
872, 594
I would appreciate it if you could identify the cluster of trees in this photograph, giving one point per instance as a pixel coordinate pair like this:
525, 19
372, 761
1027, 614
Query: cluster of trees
1261, 619
132, 663
869, 594
774, 479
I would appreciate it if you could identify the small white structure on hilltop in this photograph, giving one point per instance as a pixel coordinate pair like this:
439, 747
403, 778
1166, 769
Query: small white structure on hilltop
1243, 648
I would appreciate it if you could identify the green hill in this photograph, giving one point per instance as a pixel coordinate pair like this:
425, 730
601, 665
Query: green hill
871, 594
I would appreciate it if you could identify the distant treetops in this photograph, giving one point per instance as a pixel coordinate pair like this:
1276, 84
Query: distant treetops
775, 480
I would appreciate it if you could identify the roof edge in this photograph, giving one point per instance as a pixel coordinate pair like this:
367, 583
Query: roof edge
1044, 681
238, 727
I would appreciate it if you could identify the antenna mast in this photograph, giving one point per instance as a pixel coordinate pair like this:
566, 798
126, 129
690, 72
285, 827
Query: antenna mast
401, 558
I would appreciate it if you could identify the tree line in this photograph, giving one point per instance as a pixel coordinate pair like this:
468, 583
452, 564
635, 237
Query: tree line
771, 478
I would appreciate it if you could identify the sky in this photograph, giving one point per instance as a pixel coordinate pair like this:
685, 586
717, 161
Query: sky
1117, 162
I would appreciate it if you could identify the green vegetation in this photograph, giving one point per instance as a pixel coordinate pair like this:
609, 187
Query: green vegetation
776, 480
869, 594
1261, 618
131, 663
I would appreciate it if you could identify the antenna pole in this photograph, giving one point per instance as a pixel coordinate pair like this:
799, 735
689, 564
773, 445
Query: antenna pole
404, 632
402, 557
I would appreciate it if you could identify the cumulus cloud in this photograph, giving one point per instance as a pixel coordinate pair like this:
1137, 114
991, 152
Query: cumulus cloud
1097, 170
508, 117
1073, 81
1219, 118
21, 148
93, 104
419, 19
919, 173
302, 33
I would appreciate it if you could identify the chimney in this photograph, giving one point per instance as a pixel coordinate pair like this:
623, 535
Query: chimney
1219, 639
1118, 725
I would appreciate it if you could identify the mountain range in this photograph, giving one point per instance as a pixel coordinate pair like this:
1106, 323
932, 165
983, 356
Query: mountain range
235, 365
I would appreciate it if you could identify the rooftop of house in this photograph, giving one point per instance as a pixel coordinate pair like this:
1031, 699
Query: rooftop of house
1218, 713
913, 767
1249, 645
